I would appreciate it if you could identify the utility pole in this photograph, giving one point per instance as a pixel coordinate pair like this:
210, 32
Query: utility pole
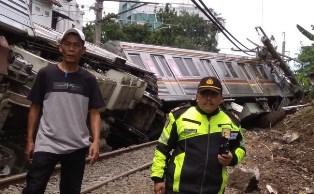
98, 12
283, 51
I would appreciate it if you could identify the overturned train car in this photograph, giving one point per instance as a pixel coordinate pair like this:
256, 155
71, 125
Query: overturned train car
253, 88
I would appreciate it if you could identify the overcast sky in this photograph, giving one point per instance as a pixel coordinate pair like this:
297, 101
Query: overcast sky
276, 17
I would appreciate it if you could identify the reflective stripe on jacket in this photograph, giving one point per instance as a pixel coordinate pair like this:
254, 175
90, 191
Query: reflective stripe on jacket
195, 138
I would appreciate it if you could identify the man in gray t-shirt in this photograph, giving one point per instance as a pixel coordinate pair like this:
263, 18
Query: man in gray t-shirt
64, 94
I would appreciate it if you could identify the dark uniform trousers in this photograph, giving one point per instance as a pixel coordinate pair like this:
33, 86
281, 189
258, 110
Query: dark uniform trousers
43, 164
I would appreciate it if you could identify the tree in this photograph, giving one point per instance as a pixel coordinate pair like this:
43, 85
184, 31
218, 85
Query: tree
137, 33
307, 57
166, 15
187, 30
89, 31
112, 30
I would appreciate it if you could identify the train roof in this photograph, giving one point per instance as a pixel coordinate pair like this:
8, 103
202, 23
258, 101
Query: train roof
128, 46
53, 37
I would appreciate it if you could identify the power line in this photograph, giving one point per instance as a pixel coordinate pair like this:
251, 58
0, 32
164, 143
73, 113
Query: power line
218, 25
218, 22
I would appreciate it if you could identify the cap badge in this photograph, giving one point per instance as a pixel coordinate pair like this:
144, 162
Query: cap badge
209, 82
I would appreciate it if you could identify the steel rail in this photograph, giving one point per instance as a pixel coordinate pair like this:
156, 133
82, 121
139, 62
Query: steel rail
97, 186
20, 178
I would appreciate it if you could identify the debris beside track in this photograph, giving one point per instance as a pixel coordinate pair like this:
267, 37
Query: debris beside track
284, 168
284, 165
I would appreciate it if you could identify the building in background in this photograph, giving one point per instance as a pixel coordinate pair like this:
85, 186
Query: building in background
57, 14
147, 14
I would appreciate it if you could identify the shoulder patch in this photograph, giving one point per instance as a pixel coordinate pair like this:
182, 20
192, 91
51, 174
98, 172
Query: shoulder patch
179, 110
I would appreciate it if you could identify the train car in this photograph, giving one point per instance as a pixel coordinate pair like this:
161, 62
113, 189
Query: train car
252, 86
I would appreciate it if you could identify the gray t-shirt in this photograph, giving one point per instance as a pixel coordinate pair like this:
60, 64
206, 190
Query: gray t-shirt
65, 100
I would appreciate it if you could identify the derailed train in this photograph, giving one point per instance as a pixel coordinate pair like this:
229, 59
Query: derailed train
252, 87
139, 83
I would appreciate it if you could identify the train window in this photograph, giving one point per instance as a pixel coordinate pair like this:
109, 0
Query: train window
191, 66
181, 66
161, 73
246, 73
223, 68
256, 72
232, 70
164, 64
206, 64
136, 59
262, 71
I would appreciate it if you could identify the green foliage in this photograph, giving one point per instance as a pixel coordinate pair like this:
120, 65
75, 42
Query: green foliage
137, 33
185, 31
111, 31
307, 57
88, 30
166, 15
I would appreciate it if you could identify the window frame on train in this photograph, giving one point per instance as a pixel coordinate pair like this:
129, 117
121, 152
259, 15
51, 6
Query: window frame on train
225, 70
131, 55
164, 67
188, 65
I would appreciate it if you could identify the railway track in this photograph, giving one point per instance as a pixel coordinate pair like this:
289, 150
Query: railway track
110, 167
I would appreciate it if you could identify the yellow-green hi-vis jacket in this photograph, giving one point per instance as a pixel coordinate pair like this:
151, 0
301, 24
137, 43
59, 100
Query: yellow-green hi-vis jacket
186, 156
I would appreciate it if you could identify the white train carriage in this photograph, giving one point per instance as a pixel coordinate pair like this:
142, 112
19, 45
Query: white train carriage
249, 82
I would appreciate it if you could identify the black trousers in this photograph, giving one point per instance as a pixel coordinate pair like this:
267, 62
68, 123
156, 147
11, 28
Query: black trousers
43, 164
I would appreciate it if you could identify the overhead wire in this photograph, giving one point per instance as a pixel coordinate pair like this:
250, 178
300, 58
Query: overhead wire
218, 25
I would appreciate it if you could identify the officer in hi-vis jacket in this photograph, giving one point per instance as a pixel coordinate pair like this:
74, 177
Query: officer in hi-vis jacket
196, 145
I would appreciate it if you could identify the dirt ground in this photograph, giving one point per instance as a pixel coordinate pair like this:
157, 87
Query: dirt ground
287, 165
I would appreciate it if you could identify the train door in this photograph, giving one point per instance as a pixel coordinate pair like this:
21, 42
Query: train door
255, 85
145, 61
136, 59
167, 76
188, 75
233, 79
257, 76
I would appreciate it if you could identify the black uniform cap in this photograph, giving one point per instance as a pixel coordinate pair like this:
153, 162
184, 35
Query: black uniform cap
210, 83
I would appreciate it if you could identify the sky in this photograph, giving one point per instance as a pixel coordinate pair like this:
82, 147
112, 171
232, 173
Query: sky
277, 17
